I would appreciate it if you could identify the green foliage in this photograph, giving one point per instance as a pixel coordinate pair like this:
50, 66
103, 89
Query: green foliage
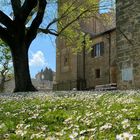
78, 14
5, 56
5, 60
71, 115
72, 13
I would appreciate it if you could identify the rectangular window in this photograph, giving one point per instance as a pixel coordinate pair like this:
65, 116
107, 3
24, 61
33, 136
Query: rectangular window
65, 61
98, 50
97, 73
127, 74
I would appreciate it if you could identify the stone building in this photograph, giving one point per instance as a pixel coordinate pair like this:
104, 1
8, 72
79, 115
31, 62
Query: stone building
45, 79
86, 70
128, 44
100, 63
114, 59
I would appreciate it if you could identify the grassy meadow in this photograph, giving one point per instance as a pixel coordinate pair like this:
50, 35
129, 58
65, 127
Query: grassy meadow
70, 116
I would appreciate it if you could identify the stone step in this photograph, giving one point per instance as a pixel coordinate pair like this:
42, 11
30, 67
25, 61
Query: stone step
112, 86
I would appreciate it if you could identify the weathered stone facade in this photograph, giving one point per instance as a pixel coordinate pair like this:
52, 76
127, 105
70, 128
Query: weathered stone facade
72, 75
105, 63
120, 62
128, 44
75, 71
66, 72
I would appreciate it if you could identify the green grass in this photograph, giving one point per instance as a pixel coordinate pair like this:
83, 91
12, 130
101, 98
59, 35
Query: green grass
71, 115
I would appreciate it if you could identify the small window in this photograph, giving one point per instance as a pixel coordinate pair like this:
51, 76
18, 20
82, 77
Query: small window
97, 50
65, 61
97, 73
127, 74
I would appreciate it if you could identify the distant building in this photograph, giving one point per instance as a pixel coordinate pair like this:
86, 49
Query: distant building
45, 78
46, 74
40, 85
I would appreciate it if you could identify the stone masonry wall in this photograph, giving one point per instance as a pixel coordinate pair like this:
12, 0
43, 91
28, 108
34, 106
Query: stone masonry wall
128, 43
101, 62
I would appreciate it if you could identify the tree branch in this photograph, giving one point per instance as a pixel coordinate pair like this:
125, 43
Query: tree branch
48, 31
71, 22
6, 21
16, 5
65, 14
5, 36
25, 10
32, 32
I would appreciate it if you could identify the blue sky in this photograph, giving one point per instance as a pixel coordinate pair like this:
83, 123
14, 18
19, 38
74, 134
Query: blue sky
42, 52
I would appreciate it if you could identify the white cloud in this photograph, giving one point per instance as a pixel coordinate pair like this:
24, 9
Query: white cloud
37, 59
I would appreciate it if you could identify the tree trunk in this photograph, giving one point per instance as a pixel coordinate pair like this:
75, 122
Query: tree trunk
21, 69
2, 84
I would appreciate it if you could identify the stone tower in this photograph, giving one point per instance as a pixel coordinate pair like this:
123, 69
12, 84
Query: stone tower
69, 66
128, 43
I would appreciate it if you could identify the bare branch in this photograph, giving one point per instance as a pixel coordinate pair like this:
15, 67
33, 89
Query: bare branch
63, 15
5, 36
16, 5
25, 10
66, 13
6, 21
32, 32
48, 31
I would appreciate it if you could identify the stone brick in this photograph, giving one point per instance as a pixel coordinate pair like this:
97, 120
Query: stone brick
128, 16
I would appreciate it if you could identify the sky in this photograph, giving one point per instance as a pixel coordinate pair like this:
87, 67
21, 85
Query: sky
42, 52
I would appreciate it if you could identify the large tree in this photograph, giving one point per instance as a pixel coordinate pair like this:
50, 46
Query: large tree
19, 33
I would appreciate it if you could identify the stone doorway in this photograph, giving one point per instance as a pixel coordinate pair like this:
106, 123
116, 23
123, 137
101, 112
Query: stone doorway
113, 73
